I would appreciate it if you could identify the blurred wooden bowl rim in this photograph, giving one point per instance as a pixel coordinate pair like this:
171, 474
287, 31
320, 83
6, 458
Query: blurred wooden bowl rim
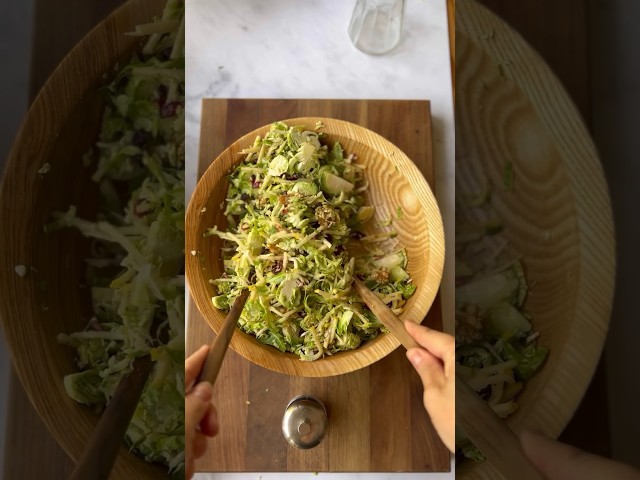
60, 126
511, 107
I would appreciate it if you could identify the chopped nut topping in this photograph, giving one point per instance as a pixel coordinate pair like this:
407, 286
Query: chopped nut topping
468, 325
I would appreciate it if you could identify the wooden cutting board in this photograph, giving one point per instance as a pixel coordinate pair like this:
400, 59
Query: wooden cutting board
377, 421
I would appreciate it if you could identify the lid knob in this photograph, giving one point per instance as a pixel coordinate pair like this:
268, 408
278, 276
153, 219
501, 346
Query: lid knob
304, 428
305, 422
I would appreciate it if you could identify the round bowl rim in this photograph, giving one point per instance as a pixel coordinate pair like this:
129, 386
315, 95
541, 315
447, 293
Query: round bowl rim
328, 366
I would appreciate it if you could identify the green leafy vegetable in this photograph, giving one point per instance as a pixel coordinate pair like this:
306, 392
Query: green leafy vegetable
292, 206
528, 358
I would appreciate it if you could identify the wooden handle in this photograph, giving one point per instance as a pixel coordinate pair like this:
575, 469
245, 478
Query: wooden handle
220, 344
101, 452
491, 435
385, 315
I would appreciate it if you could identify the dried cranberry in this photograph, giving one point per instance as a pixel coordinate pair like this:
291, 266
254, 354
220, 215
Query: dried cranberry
277, 266
169, 109
161, 94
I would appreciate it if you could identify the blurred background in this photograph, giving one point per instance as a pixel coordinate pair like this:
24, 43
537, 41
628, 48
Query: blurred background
16, 25
34, 36
592, 47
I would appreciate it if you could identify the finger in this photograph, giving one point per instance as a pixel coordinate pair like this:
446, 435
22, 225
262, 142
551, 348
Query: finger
189, 465
209, 424
194, 449
429, 367
199, 445
193, 365
440, 344
559, 461
196, 405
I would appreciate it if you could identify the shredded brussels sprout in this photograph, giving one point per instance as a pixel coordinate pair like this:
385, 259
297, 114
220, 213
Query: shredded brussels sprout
292, 207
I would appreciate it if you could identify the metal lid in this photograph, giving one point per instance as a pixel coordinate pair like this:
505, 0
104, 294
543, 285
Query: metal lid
305, 422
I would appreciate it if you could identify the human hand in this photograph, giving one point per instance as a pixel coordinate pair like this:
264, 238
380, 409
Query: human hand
558, 461
435, 363
201, 418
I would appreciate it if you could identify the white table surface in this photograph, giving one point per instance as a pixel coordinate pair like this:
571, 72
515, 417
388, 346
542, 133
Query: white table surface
300, 49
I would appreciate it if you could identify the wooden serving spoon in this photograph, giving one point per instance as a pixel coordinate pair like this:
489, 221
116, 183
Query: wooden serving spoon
212, 364
101, 452
98, 457
474, 416
385, 315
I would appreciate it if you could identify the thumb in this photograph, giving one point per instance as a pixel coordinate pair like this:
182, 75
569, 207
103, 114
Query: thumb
429, 368
196, 404
558, 461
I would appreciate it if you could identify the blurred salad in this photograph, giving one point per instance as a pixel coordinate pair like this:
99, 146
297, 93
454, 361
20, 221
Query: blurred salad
293, 207
496, 344
136, 269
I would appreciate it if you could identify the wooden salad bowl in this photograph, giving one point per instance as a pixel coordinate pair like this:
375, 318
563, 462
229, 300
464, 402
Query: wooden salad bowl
394, 181
60, 127
511, 108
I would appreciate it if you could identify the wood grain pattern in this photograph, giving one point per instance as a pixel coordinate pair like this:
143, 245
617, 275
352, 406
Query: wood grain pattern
511, 108
60, 126
561, 39
564, 40
55, 33
356, 437
393, 182
57, 28
28, 433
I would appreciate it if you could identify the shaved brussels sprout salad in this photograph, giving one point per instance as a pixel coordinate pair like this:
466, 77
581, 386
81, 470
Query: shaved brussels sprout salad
292, 207
496, 344
136, 270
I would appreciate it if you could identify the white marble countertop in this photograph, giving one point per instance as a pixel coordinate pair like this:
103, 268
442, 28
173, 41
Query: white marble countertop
294, 49
300, 49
